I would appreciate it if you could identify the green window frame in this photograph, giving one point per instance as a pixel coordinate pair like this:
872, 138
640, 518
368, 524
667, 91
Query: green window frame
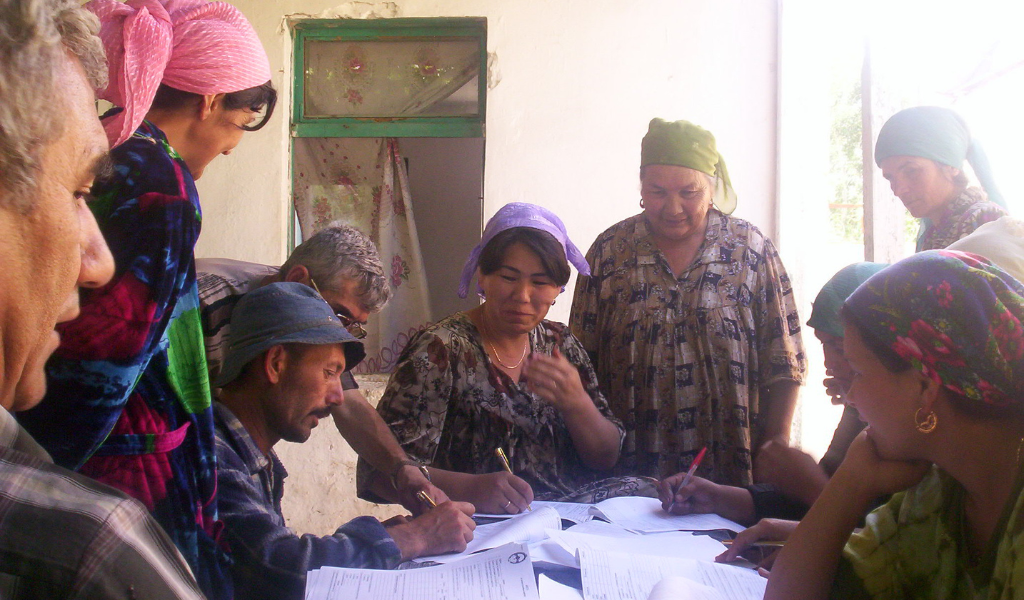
405, 29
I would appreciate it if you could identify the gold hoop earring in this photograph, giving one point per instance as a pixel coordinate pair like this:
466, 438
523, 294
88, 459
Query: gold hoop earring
928, 423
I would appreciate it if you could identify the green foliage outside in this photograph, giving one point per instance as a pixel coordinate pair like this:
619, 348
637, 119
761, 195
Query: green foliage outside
846, 176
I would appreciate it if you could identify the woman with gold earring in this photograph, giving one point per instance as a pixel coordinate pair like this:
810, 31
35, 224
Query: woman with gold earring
936, 343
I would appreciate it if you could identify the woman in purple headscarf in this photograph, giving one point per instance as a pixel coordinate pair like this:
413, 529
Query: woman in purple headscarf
936, 345
501, 376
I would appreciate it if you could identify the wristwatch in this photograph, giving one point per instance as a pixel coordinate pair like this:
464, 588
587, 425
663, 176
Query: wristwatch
409, 463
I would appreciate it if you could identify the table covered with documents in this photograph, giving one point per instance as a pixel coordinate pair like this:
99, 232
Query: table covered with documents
619, 549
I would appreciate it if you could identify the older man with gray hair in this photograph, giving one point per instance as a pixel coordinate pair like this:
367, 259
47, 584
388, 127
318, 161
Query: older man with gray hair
62, 535
343, 265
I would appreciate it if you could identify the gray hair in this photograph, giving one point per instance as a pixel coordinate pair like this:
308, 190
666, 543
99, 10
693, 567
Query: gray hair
34, 36
338, 252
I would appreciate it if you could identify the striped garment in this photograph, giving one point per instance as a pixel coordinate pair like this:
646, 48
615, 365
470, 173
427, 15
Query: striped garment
129, 396
63, 535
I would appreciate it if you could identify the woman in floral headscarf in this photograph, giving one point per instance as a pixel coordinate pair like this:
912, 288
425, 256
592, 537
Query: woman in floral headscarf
921, 151
129, 397
689, 318
936, 343
501, 376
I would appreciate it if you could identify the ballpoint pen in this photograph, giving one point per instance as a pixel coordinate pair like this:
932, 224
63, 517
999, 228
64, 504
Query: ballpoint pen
423, 497
504, 461
689, 476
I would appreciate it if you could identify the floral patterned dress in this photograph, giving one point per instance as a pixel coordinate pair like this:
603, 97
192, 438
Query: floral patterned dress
450, 408
684, 360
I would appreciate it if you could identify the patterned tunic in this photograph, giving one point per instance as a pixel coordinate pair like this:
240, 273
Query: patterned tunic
684, 360
915, 546
450, 408
969, 211
129, 397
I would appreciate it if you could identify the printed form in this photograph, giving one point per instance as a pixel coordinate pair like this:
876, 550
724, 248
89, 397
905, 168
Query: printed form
504, 573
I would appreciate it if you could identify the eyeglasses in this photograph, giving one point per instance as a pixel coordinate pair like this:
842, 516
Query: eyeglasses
348, 321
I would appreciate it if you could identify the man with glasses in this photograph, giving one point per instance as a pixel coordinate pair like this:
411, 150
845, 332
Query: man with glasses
342, 264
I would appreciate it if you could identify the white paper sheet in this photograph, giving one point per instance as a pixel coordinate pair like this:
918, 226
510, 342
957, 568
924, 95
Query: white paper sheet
573, 511
503, 573
549, 589
596, 527
646, 515
680, 588
674, 544
619, 576
525, 528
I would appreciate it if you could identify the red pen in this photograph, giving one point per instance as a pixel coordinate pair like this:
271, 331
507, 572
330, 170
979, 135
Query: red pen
689, 476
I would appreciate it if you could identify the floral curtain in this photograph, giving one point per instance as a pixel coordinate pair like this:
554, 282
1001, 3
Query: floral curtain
390, 78
363, 182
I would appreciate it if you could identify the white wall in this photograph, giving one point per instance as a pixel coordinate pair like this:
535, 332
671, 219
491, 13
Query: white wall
579, 81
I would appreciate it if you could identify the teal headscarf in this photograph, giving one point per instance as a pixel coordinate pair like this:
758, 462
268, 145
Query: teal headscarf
937, 134
825, 309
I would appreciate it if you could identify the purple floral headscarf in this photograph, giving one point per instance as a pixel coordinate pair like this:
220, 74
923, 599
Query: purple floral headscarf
521, 214
955, 317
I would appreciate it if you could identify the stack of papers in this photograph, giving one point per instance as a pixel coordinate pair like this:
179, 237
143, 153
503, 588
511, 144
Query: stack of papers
624, 548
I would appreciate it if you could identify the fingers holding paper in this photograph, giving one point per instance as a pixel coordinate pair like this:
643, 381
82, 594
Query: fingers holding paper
757, 538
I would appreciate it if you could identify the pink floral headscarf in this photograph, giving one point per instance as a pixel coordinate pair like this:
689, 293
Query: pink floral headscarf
191, 45
953, 316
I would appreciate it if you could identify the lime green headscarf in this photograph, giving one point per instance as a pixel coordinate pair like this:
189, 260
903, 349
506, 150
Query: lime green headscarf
684, 144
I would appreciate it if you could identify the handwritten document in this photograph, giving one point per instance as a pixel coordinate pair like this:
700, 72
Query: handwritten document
503, 573
620, 576
646, 515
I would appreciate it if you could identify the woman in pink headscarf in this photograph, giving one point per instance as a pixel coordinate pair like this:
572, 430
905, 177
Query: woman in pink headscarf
129, 402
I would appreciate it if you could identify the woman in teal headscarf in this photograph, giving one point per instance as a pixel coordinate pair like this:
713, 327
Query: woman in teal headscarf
689, 318
921, 151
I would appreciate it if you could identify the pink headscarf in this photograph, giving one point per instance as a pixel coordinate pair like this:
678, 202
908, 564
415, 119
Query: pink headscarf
191, 45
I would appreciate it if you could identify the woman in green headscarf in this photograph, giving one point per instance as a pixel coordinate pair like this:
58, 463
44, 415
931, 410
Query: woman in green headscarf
921, 151
690, 319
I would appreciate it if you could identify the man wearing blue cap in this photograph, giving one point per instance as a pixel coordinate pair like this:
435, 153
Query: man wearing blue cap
282, 371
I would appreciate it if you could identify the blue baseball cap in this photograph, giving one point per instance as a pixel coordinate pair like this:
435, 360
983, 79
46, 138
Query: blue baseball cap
283, 313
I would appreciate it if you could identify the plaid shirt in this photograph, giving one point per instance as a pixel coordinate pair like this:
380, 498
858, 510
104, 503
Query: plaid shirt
63, 535
271, 561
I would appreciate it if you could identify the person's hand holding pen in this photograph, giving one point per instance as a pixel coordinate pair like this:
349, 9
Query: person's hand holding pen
675, 486
508, 468
700, 496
